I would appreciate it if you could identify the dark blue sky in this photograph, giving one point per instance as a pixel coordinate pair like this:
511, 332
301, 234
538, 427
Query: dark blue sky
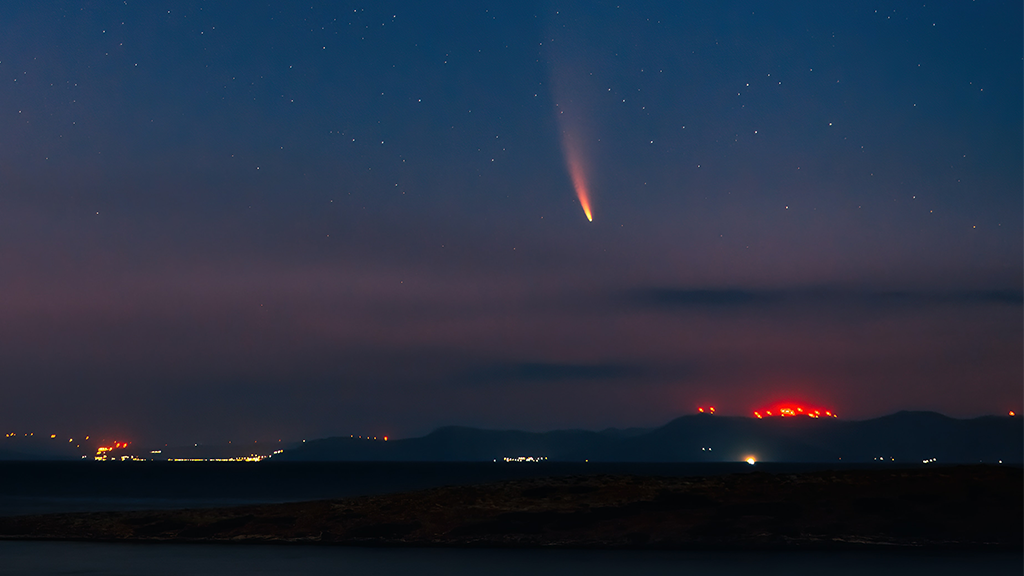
241, 219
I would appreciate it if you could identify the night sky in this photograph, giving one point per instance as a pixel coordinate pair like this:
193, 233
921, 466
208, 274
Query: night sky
289, 220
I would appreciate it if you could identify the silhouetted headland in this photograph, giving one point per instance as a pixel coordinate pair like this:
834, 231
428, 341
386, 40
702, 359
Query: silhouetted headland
967, 507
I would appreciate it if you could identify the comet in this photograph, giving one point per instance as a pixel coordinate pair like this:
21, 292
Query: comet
571, 89
579, 177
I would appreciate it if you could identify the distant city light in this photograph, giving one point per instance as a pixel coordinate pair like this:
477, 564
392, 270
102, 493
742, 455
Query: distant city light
751, 460
1012, 413
250, 458
524, 458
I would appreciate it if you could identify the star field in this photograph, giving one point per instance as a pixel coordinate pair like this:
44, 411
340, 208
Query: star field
227, 218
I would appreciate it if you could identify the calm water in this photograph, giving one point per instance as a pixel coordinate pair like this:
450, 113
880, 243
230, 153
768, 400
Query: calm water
52, 558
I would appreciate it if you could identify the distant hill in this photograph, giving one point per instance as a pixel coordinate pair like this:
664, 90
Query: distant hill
905, 437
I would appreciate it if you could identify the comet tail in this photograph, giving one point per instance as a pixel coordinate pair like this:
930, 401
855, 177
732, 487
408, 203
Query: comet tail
579, 179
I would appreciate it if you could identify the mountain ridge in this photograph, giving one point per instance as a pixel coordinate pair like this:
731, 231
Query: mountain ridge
905, 436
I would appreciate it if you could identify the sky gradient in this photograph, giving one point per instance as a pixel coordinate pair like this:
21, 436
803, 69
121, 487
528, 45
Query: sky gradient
248, 220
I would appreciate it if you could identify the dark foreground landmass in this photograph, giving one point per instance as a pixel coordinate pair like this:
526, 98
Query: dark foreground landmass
954, 507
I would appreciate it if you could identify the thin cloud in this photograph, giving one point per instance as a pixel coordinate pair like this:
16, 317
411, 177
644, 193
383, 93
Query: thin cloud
552, 372
728, 298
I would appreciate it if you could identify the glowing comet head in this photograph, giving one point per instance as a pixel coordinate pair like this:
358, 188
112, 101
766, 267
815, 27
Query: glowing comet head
579, 182
577, 171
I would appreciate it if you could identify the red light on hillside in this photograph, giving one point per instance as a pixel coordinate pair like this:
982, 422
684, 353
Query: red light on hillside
712, 409
1012, 413
701, 410
103, 452
792, 410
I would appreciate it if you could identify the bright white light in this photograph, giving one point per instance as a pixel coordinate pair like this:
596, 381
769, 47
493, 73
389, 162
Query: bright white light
751, 460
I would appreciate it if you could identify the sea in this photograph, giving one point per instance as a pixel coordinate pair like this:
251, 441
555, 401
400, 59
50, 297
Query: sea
67, 558
49, 487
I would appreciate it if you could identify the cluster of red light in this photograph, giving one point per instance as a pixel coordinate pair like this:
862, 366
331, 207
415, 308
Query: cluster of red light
788, 410
115, 446
710, 410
